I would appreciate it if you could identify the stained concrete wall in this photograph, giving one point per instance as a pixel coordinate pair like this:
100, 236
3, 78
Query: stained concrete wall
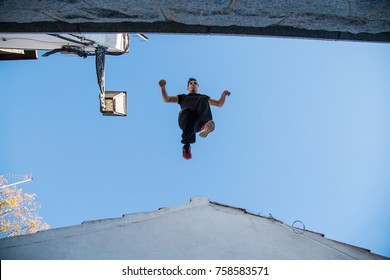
198, 230
362, 20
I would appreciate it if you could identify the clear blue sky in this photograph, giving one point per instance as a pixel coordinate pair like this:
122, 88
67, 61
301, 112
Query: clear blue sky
305, 134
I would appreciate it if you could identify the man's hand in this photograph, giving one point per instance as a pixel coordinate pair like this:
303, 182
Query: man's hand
226, 93
221, 101
165, 96
162, 83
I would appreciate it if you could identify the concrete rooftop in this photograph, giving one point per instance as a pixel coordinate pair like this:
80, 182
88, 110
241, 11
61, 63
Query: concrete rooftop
359, 20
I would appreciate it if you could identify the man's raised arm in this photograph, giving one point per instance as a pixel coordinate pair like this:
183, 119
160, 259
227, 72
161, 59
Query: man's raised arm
221, 101
165, 96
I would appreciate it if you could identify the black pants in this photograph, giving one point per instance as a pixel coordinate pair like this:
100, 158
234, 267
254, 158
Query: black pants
191, 119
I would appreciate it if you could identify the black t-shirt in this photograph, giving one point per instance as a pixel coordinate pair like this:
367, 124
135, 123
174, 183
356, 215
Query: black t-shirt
190, 100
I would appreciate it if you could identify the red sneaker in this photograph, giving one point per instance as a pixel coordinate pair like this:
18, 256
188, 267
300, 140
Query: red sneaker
187, 151
206, 129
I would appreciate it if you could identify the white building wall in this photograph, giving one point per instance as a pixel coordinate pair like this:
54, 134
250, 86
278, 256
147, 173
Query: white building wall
114, 42
198, 230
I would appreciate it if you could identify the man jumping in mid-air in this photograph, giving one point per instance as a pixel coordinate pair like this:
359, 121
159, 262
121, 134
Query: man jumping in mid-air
195, 114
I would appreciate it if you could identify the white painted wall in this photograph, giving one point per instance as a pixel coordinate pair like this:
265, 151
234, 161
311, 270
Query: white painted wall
197, 230
41, 41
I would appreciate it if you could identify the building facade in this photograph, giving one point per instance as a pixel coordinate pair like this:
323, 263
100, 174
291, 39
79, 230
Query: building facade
200, 229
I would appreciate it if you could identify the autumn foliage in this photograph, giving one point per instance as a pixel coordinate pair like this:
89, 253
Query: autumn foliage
18, 212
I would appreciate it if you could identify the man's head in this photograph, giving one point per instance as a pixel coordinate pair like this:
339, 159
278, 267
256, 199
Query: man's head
192, 85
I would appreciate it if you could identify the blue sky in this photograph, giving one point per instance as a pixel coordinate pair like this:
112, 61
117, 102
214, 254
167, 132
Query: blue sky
305, 134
